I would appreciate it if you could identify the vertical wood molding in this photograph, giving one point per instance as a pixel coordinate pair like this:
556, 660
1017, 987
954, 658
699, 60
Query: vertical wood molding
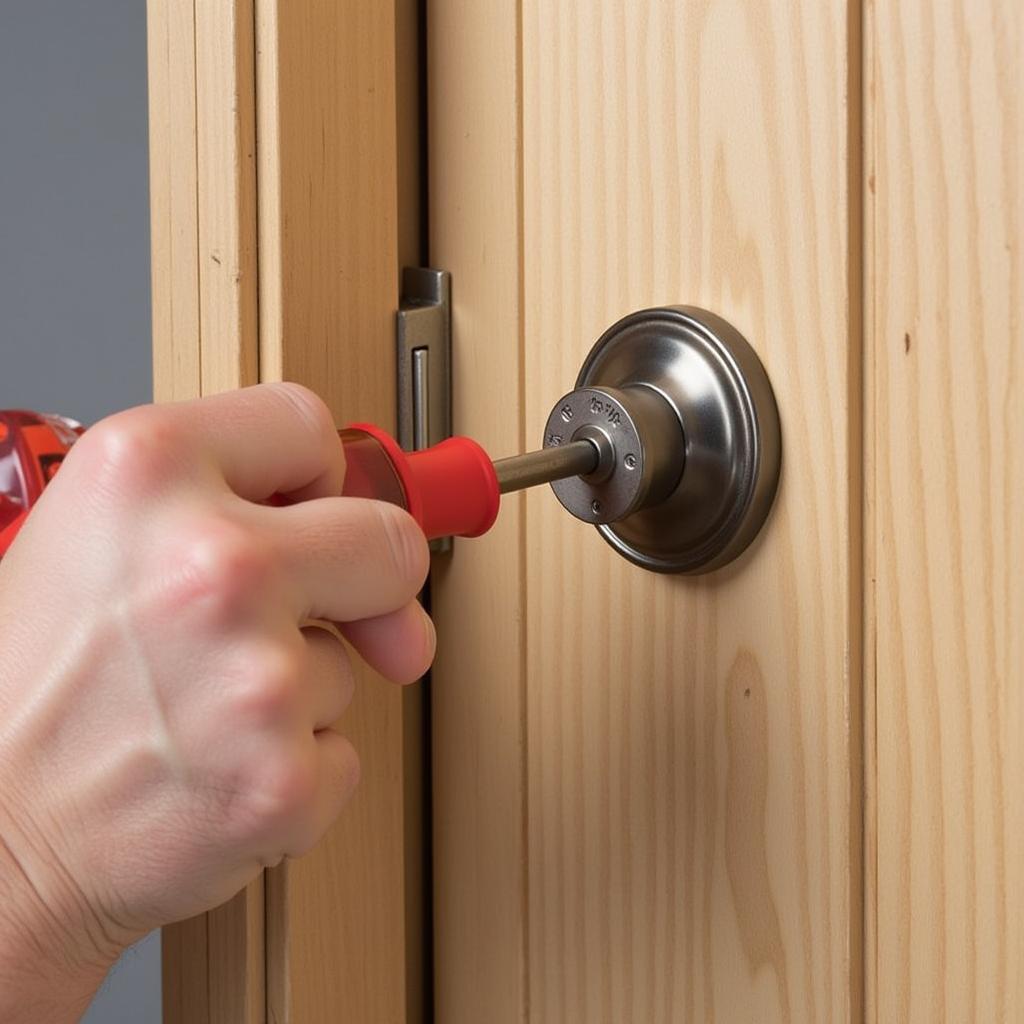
478, 680
203, 199
869, 520
330, 241
174, 217
226, 189
945, 194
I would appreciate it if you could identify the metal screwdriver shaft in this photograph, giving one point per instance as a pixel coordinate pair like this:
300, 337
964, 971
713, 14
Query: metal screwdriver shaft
578, 458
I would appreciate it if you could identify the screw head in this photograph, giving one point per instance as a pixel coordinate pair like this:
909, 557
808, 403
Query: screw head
566, 413
595, 507
629, 461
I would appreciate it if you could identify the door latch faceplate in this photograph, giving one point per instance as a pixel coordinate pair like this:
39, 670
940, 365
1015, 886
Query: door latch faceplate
424, 344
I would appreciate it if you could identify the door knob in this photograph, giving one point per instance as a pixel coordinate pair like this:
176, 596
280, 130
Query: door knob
669, 444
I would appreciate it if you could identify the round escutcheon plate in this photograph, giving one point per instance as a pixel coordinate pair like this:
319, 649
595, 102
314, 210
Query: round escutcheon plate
717, 386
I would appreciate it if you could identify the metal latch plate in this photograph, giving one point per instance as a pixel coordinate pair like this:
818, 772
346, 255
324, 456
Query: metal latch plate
423, 330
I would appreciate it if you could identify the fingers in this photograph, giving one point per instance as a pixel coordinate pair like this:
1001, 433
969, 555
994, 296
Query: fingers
265, 439
330, 682
305, 778
332, 765
348, 558
337, 775
399, 645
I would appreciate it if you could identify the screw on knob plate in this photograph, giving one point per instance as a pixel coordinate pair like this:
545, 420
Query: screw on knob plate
685, 421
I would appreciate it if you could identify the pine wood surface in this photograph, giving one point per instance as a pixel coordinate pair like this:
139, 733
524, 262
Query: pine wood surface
478, 680
203, 224
342, 939
690, 748
693, 832
944, 193
174, 217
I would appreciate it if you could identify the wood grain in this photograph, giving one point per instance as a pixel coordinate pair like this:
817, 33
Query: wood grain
693, 819
478, 680
173, 204
344, 938
691, 748
945, 194
203, 202
226, 193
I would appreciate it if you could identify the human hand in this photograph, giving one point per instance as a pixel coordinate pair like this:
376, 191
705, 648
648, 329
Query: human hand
164, 705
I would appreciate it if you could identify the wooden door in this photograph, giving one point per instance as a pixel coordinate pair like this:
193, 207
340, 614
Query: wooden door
944, 562
787, 790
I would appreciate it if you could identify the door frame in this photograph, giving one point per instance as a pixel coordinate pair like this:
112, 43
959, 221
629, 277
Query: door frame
285, 197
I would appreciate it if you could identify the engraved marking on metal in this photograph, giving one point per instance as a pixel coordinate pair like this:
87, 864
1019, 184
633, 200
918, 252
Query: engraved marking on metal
604, 495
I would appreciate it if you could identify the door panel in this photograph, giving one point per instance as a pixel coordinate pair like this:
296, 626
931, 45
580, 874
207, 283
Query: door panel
684, 842
477, 683
945, 189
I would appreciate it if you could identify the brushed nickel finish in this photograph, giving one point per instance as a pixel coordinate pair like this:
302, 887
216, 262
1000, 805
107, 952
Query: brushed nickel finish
690, 415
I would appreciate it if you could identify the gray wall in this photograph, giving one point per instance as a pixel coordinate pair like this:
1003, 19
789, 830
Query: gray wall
74, 219
74, 258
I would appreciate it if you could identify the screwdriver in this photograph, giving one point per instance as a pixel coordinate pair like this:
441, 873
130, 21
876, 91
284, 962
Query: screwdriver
451, 489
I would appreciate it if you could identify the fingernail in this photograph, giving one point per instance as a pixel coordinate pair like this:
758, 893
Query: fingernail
431, 632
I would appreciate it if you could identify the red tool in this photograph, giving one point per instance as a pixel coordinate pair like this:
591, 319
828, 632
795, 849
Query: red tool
32, 447
452, 489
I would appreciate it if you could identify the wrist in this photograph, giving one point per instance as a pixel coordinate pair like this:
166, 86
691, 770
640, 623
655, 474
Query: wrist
54, 948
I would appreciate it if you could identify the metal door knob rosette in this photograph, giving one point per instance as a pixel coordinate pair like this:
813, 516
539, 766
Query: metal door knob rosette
685, 422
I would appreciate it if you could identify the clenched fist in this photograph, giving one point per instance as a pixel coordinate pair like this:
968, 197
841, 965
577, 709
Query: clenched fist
165, 703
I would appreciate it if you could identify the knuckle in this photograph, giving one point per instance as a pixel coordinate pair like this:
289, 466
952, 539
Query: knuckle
284, 787
219, 563
338, 786
130, 448
270, 681
405, 544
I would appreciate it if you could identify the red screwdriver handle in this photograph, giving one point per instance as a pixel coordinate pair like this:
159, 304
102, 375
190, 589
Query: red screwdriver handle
450, 489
